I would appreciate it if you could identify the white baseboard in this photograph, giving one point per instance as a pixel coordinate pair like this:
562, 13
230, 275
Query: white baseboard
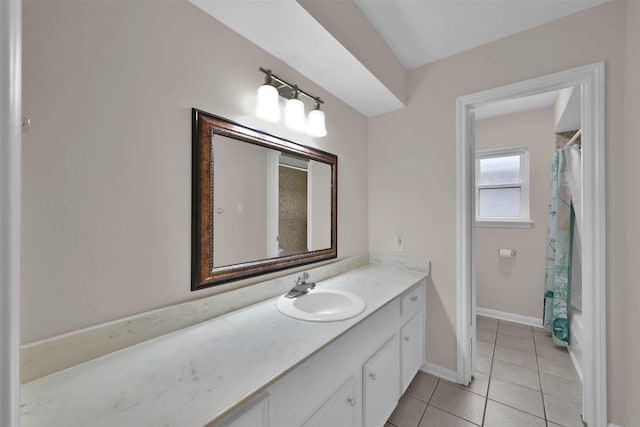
439, 371
578, 369
614, 425
511, 317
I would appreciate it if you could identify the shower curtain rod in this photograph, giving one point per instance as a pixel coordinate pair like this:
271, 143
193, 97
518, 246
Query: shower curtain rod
574, 138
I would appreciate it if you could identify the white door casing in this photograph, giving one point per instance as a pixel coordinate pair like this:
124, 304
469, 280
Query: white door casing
590, 79
10, 166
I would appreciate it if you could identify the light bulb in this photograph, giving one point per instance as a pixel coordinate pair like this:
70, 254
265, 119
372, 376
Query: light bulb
267, 106
294, 114
315, 123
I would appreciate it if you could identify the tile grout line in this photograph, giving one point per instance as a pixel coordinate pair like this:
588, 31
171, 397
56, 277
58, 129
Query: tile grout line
454, 415
535, 353
489, 381
428, 400
544, 406
493, 358
517, 409
441, 409
493, 355
507, 405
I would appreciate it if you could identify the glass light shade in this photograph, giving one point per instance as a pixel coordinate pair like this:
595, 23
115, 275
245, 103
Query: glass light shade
294, 114
267, 106
315, 123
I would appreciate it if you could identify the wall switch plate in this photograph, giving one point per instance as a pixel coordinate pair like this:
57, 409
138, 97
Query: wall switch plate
399, 242
240, 207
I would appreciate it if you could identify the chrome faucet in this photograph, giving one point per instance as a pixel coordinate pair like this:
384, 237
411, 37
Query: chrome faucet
302, 286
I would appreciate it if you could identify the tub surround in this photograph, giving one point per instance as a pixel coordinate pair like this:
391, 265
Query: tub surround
202, 373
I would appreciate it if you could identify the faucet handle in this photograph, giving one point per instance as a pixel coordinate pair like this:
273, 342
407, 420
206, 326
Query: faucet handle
302, 278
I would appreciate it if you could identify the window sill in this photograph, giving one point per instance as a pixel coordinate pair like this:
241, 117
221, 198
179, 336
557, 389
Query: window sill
520, 223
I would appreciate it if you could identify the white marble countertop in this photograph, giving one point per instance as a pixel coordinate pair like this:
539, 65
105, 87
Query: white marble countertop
200, 374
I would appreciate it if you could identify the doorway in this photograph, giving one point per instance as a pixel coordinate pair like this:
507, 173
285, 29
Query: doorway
292, 208
590, 80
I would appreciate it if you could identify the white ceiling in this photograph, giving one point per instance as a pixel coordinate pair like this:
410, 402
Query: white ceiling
418, 32
287, 31
569, 118
517, 105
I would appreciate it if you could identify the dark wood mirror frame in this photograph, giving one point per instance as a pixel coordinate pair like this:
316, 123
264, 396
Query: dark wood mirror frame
203, 272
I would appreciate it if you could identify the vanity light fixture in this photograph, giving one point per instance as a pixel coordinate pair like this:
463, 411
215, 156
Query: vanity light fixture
267, 100
268, 108
294, 112
315, 122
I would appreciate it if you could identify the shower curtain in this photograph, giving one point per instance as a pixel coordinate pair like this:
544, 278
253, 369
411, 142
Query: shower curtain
558, 265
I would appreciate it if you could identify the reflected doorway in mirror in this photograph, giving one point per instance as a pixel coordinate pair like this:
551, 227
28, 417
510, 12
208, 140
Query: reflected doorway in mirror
260, 203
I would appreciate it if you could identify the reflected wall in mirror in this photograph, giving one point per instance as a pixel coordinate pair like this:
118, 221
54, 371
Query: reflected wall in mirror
260, 203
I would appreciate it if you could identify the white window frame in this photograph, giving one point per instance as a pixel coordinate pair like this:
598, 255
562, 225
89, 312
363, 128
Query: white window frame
524, 220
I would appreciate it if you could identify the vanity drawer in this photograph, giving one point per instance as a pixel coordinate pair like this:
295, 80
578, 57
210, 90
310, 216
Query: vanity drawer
412, 301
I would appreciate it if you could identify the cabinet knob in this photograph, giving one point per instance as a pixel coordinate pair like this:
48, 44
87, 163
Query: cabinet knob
351, 400
414, 298
372, 375
407, 339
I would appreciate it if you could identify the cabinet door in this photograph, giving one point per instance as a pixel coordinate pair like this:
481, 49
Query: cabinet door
380, 379
339, 409
411, 340
256, 414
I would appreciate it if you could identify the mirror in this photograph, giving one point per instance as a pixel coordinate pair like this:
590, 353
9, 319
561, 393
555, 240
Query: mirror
260, 203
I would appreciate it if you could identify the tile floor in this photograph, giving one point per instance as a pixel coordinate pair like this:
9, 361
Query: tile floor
521, 379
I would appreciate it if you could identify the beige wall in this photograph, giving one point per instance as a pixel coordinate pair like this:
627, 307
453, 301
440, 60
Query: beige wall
348, 24
106, 201
320, 192
412, 167
239, 177
516, 285
632, 209
106, 166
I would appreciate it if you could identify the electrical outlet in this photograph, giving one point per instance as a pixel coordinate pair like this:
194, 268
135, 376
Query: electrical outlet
399, 242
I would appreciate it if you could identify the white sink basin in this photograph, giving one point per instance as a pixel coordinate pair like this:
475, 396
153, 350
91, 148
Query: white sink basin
322, 305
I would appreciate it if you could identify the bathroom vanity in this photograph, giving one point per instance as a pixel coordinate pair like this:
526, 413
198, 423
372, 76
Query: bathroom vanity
354, 381
375, 362
254, 367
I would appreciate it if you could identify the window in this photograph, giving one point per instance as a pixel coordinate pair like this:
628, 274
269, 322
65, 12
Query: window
502, 188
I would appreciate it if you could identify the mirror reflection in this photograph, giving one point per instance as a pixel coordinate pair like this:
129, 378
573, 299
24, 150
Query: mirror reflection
267, 203
260, 203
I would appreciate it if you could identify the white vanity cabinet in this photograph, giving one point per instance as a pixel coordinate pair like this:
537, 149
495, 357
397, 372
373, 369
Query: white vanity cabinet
380, 384
340, 410
411, 335
412, 302
255, 414
356, 380
411, 350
